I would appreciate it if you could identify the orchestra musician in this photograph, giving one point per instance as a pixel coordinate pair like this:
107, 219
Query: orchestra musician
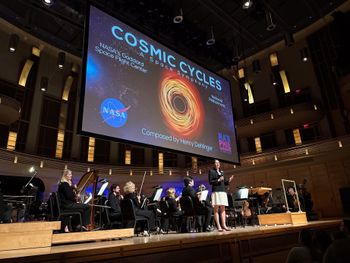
219, 196
200, 210
292, 200
114, 198
130, 194
68, 199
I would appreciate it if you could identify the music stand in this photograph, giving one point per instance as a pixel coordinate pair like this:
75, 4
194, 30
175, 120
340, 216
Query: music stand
102, 189
242, 194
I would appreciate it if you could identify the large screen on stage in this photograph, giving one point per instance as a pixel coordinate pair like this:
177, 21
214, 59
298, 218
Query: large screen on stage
139, 91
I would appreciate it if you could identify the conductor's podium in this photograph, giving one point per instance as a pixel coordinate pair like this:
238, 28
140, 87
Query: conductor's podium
40, 234
294, 218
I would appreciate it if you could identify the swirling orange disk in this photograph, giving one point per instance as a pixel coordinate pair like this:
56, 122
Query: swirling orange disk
181, 106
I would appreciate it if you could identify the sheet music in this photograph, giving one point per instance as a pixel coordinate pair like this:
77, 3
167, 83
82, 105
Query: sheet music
242, 193
88, 199
102, 189
204, 195
158, 194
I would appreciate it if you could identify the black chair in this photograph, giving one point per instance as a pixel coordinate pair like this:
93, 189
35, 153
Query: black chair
231, 211
111, 223
188, 214
129, 217
56, 213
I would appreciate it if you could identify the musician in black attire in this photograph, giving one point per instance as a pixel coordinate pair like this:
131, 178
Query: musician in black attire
199, 208
130, 194
68, 198
114, 198
292, 200
5, 210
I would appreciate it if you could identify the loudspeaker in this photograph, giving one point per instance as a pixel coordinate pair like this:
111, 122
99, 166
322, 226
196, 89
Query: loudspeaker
345, 200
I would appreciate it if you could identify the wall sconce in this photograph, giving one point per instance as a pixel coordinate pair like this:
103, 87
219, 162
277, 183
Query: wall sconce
61, 59
41, 164
110, 172
340, 144
15, 160
13, 43
304, 54
44, 83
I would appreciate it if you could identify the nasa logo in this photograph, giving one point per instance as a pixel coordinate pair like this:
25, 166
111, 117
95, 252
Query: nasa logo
114, 113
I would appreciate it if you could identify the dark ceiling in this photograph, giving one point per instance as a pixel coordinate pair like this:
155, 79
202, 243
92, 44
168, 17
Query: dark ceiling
235, 29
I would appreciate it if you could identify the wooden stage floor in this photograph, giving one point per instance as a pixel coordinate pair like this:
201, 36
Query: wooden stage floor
236, 245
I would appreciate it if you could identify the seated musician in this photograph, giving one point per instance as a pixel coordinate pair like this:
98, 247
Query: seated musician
130, 194
5, 210
114, 198
266, 203
172, 202
292, 200
68, 199
199, 208
173, 210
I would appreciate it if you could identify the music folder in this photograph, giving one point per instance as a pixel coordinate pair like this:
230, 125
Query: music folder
204, 195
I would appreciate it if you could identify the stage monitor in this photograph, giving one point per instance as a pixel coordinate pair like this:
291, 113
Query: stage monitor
138, 91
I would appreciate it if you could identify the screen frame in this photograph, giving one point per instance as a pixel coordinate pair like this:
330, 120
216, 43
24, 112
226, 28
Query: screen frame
81, 132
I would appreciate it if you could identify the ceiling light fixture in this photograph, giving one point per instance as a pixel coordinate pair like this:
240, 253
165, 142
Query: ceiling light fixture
270, 25
289, 39
179, 18
44, 83
48, 2
247, 4
211, 40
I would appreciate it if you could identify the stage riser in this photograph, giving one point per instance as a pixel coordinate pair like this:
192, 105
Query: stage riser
282, 219
264, 244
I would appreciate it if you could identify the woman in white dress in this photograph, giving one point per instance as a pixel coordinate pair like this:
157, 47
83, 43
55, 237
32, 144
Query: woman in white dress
219, 195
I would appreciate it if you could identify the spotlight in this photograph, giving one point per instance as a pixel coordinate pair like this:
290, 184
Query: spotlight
48, 2
44, 83
247, 4
288, 39
179, 18
61, 59
13, 42
31, 169
256, 66
270, 25
211, 40
304, 54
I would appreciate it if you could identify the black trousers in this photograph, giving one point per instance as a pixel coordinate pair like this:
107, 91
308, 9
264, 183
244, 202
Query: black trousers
83, 209
149, 215
207, 212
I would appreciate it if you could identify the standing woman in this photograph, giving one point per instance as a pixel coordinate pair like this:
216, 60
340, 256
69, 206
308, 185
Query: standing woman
219, 195
68, 200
